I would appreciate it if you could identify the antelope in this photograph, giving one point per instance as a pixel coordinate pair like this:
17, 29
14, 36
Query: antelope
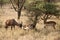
28, 26
50, 23
25, 27
12, 23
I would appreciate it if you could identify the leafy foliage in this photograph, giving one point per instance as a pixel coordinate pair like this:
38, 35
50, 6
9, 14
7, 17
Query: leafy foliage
37, 8
51, 9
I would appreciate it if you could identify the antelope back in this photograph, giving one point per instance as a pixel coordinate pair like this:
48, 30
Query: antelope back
50, 22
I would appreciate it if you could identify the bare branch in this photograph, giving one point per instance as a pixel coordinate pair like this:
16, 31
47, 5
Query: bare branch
21, 5
13, 6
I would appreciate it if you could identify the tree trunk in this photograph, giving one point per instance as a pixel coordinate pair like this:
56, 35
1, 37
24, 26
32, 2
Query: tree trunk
20, 4
35, 21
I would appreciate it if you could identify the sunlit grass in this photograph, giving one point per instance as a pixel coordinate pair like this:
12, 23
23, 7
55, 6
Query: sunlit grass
19, 34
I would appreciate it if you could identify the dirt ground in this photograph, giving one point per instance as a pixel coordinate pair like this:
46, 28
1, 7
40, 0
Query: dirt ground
18, 34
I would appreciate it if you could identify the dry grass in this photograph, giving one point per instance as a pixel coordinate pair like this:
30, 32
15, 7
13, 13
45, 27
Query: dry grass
19, 34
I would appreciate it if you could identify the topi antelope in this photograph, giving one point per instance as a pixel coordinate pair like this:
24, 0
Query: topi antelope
50, 23
12, 23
